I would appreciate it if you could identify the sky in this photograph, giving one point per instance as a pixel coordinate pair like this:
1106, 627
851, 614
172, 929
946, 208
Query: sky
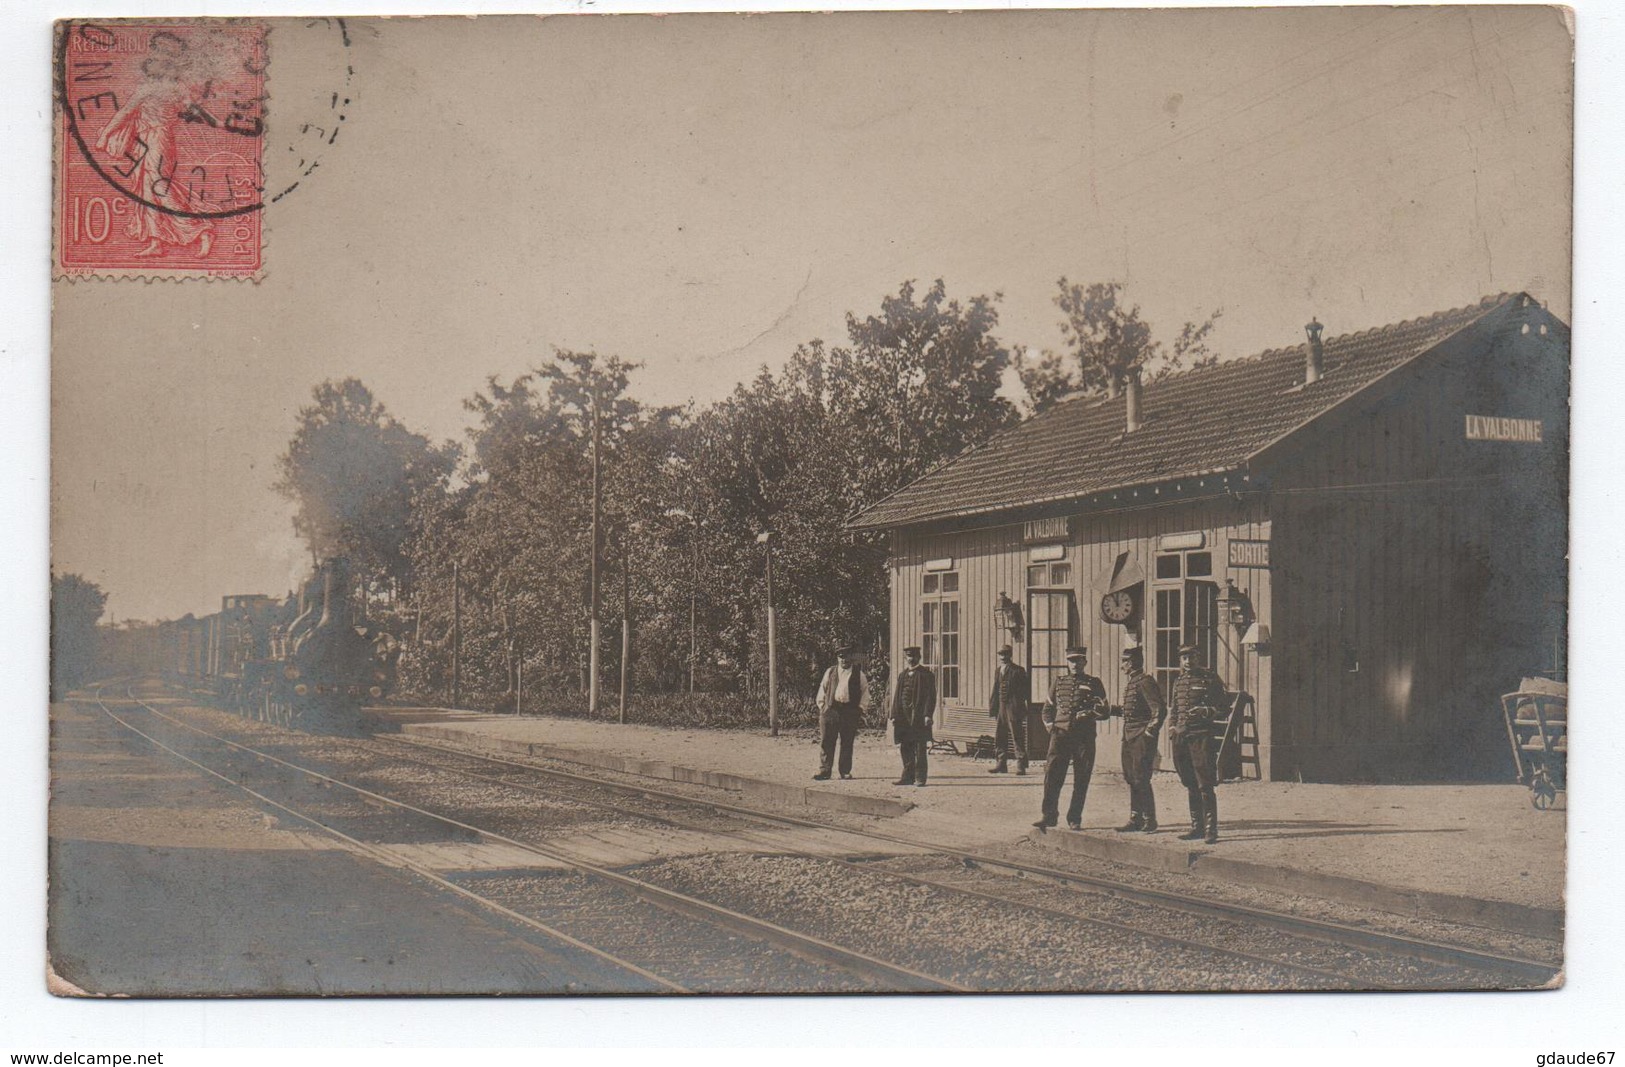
703, 193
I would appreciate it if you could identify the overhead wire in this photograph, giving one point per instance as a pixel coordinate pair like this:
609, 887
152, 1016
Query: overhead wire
1059, 176
1165, 186
1170, 185
1188, 172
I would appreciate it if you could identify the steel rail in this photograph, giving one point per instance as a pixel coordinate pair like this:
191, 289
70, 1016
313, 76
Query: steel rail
806, 946
1536, 972
868, 868
391, 858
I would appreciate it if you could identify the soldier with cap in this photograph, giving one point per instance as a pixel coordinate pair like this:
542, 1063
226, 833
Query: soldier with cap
841, 696
1012, 691
1076, 702
1143, 713
1198, 701
912, 706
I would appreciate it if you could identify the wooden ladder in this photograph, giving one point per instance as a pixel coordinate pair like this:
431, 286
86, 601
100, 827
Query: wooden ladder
1239, 745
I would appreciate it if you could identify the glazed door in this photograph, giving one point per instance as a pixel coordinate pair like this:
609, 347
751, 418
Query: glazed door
1052, 628
1202, 621
1188, 612
1168, 619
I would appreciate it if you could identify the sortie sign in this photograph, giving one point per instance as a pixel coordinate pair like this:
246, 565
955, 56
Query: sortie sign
1495, 428
1249, 554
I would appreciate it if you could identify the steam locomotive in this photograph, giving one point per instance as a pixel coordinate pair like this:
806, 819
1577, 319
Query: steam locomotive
309, 661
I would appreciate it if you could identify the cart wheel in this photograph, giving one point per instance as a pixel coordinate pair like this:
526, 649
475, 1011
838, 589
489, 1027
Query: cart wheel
1542, 793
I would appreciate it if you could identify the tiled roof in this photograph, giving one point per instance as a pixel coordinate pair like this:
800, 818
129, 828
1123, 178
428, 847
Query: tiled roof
1196, 423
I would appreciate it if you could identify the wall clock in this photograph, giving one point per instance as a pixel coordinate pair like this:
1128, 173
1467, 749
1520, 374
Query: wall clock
1118, 606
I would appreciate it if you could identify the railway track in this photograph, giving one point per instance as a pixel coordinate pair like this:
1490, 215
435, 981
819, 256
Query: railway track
1517, 969
1115, 920
674, 943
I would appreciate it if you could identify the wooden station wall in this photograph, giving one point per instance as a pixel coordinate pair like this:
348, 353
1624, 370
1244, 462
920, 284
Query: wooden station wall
994, 559
1415, 574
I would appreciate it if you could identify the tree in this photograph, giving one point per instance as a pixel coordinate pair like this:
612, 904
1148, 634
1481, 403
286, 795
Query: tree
1046, 377
799, 452
352, 472
1191, 344
76, 606
519, 531
919, 384
1106, 339
686, 494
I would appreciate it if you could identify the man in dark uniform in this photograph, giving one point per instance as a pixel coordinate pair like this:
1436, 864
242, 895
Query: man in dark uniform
1143, 713
1076, 702
1198, 702
912, 706
1012, 691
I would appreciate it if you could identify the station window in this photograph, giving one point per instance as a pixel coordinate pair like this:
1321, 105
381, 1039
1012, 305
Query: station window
937, 584
1198, 564
1046, 575
1170, 565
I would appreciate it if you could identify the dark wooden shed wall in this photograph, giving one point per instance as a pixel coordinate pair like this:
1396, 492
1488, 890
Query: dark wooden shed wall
1419, 575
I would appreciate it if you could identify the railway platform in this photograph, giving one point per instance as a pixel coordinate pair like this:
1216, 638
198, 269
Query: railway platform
1464, 852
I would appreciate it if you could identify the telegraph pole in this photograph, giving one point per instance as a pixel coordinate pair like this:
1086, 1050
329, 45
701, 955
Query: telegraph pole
626, 624
772, 643
597, 542
456, 634
693, 599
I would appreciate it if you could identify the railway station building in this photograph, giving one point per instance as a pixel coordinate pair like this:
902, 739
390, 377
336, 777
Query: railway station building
1366, 533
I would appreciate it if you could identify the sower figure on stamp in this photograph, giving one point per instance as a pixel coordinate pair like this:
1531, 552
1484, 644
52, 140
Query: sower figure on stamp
1076, 702
146, 131
1143, 713
1012, 691
1198, 702
911, 709
841, 697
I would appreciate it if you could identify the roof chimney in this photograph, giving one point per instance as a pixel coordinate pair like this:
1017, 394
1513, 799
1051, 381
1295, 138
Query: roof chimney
1131, 384
1315, 365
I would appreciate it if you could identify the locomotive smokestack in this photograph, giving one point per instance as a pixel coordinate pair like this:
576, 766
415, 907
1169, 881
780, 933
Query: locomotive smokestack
335, 583
326, 619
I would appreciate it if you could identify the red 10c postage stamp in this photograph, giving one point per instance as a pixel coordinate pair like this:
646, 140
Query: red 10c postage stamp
160, 150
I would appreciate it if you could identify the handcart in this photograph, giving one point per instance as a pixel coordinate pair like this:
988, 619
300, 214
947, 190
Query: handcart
1537, 718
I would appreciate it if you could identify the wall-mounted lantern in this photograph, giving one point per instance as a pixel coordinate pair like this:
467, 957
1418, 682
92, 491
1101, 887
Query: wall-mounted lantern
1236, 607
1007, 616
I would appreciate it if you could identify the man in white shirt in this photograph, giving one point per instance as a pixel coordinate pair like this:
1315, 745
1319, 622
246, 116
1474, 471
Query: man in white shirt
841, 697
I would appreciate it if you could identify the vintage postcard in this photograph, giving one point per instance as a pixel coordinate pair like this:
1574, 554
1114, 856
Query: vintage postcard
959, 502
